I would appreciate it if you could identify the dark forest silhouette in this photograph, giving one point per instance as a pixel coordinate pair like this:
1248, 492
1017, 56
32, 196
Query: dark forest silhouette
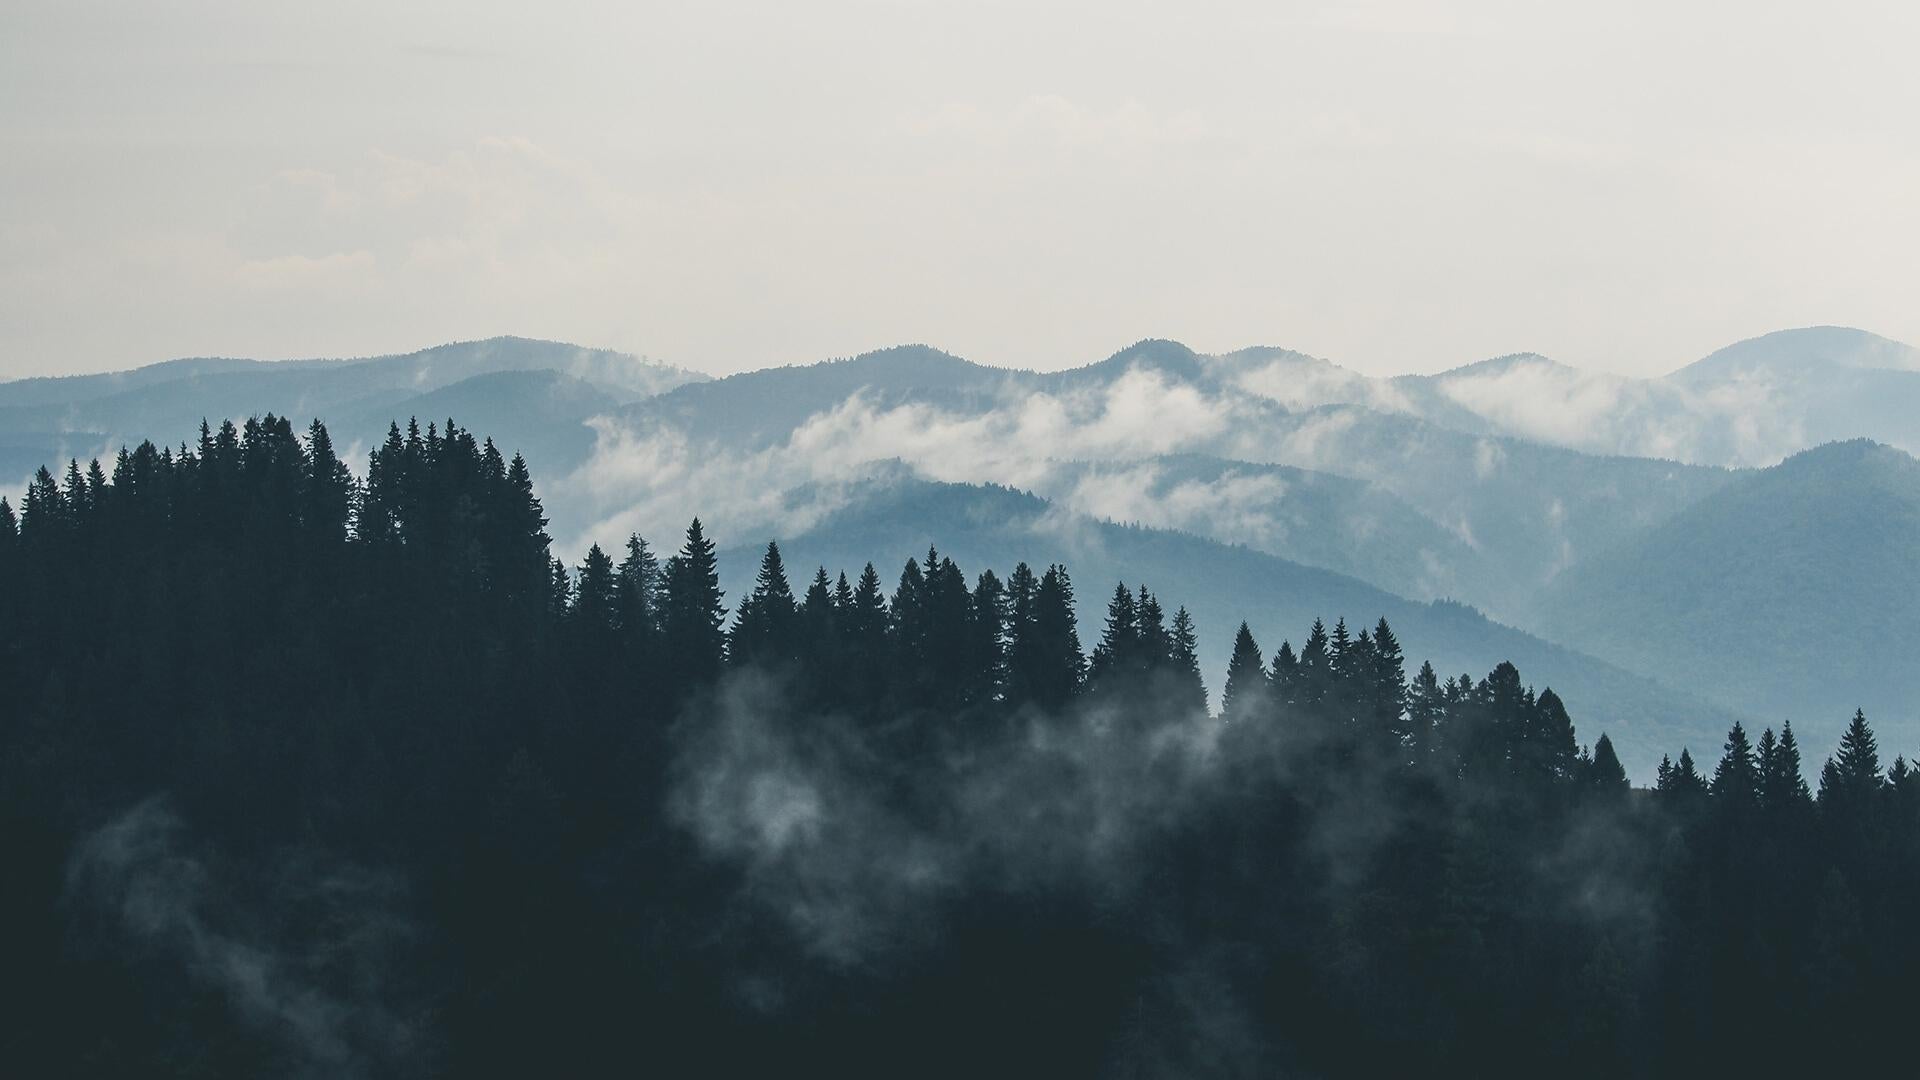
300, 774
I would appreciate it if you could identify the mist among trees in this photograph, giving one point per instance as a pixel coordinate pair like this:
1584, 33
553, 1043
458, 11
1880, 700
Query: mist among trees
307, 775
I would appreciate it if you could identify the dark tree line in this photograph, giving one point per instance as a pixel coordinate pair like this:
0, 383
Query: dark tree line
300, 773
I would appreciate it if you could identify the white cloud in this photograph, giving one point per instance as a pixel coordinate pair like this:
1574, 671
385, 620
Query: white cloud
651, 480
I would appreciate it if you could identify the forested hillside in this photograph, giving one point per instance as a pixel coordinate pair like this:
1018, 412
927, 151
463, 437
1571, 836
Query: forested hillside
303, 775
1794, 591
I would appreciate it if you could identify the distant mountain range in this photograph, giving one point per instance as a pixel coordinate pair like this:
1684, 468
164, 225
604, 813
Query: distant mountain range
43, 419
1691, 542
1751, 403
1792, 591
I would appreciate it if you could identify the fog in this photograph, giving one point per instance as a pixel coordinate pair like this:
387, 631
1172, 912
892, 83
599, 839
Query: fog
1404, 186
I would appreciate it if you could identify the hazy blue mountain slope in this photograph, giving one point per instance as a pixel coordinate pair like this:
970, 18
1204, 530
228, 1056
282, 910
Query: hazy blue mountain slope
622, 375
161, 399
1785, 352
1169, 359
1300, 383
176, 405
23, 452
51, 419
1316, 518
55, 390
627, 376
1793, 592
1518, 512
1749, 404
758, 408
542, 414
984, 527
1528, 511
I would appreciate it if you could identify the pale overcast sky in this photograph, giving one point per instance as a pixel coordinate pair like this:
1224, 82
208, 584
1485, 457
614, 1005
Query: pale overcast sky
1397, 185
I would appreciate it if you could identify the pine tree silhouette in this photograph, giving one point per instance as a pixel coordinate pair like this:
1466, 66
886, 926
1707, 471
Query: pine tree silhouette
1245, 696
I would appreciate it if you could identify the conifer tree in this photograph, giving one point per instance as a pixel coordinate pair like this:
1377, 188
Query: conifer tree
79, 499
1052, 670
1387, 684
908, 620
97, 491
1680, 783
1151, 631
865, 621
380, 504
637, 589
1315, 666
1283, 681
1766, 758
524, 540
822, 667
1857, 766
1736, 780
1337, 643
1426, 706
950, 674
1782, 786
1550, 744
1244, 697
1117, 654
817, 608
1686, 779
1604, 772
328, 498
559, 591
1183, 660
987, 664
765, 631
864, 644
692, 611
43, 513
595, 592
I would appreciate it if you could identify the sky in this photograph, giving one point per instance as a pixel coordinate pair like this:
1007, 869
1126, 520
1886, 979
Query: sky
1396, 185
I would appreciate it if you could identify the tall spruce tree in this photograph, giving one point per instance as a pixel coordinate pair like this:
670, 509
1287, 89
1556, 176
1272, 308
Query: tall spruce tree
1387, 685
1736, 779
381, 502
1283, 681
637, 590
1604, 772
595, 593
908, 620
1316, 678
987, 662
1782, 786
524, 541
1426, 707
327, 502
864, 621
1183, 660
863, 646
1116, 657
692, 611
1150, 622
1684, 782
1857, 766
766, 630
1244, 697
1550, 746
1054, 668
